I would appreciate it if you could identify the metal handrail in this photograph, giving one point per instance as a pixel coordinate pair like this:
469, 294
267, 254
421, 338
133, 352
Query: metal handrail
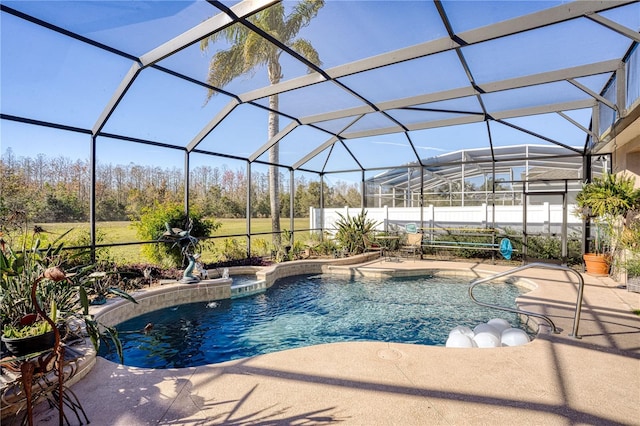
576, 318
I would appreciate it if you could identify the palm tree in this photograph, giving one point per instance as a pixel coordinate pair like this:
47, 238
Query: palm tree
249, 51
609, 199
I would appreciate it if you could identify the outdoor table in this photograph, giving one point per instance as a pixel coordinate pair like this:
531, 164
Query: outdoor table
389, 243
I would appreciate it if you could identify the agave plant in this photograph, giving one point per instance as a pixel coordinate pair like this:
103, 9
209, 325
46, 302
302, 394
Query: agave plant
352, 232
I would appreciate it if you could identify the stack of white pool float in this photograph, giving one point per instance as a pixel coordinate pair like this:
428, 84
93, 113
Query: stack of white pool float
492, 334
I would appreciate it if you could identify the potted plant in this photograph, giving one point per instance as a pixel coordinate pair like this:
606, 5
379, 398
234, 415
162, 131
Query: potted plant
606, 200
32, 334
598, 261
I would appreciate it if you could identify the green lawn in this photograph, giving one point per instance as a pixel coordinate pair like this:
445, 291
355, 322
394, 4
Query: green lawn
125, 232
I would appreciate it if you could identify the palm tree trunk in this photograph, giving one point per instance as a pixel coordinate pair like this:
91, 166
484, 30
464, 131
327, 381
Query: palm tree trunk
274, 179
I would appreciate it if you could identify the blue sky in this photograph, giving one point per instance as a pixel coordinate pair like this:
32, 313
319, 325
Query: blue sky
52, 78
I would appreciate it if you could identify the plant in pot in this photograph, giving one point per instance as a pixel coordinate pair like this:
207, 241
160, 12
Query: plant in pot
32, 334
606, 201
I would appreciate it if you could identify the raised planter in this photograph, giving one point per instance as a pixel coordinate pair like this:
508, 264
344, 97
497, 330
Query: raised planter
633, 284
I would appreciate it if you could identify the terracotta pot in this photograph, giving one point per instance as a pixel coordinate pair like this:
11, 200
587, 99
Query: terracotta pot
596, 264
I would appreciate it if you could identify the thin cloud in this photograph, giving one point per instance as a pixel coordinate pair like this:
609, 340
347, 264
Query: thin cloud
390, 143
432, 148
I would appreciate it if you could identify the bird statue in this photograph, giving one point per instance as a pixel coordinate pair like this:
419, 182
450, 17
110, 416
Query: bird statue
183, 239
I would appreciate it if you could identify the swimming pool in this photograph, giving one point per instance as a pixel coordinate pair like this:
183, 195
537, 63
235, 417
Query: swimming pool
308, 310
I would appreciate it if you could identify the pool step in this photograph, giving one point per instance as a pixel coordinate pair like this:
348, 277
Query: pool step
248, 289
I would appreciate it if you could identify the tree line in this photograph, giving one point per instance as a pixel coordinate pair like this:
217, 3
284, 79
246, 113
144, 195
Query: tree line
59, 190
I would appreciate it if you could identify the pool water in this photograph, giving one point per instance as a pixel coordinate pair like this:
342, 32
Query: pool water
309, 310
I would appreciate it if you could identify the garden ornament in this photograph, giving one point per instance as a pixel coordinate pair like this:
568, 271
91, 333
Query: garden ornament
187, 243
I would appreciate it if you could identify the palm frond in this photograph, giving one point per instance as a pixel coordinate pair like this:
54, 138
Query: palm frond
301, 16
305, 48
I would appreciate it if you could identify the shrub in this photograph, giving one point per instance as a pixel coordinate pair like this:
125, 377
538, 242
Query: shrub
546, 247
550, 247
260, 247
325, 247
153, 223
83, 239
231, 249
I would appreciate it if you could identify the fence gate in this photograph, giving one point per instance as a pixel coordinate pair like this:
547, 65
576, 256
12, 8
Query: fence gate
540, 241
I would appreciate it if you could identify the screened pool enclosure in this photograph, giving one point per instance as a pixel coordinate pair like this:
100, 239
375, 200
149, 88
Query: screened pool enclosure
262, 109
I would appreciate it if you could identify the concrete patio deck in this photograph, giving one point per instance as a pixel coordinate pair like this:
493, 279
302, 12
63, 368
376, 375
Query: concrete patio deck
554, 380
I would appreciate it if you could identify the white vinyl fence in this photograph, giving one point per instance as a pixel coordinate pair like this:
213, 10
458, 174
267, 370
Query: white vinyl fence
543, 218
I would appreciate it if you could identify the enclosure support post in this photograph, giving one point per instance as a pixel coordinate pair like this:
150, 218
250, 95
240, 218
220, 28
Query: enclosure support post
621, 89
513, 193
421, 203
363, 197
186, 184
524, 221
565, 251
493, 208
409, 194
248, 210
586, 226
462, 179
92, 199
322, 206
292, 195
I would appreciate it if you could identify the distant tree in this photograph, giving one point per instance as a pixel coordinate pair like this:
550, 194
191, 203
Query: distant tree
453, 192
249, 51
108, 209
499, 185
306, 196
62, 206
284, 204
343, 194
